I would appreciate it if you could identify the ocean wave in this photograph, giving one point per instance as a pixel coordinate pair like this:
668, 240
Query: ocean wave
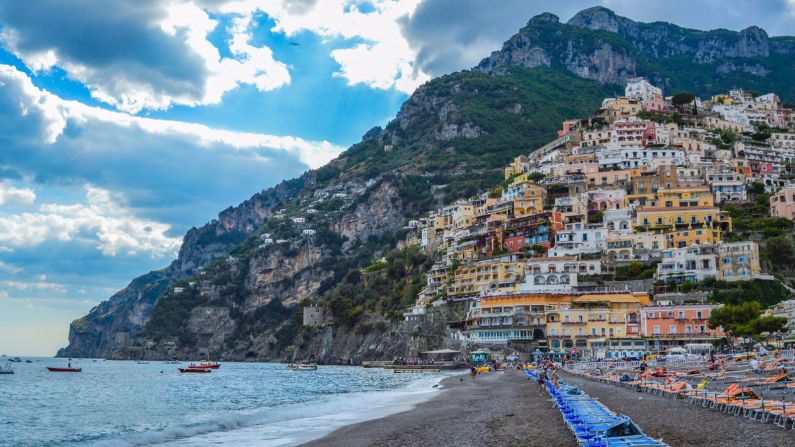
286, 425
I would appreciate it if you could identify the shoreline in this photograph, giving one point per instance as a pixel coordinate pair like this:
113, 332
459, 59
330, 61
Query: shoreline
497, 408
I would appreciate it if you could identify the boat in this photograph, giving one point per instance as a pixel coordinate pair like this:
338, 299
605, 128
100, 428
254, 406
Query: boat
205, 364
142, 362
15, 360
6, 370
302, 366
64, 370
195, 370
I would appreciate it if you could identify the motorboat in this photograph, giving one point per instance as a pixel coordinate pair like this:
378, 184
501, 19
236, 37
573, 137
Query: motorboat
302, 366
15, 360
195, 370
6, 369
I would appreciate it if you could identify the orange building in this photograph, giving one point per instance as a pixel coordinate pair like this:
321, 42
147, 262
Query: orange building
679, 324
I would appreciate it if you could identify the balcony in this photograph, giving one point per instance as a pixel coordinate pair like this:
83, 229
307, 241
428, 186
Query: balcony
574, 322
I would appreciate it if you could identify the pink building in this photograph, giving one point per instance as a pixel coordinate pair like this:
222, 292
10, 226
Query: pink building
678, 324
782, 203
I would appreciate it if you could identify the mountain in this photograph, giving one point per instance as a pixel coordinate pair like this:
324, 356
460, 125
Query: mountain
239, 283
597, 44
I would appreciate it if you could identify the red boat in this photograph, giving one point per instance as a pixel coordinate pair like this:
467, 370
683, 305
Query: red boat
64, 370
205, 365
194, 370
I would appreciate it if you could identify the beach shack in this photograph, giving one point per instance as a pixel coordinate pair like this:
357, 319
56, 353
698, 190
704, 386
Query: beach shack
480, 356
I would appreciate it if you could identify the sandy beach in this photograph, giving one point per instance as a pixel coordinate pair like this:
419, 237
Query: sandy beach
499, 409
680, 424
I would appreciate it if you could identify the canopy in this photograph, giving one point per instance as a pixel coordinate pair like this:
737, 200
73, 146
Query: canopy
442, 351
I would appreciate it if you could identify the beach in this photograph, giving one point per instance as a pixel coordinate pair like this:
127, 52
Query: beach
680, 424
496, 408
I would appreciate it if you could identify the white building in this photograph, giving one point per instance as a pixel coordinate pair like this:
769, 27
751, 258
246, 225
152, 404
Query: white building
641, 89
309, 232
579, 241
694, 263
298, 220
727, 186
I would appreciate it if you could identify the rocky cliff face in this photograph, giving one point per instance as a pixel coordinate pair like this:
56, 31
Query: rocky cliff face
600, 45
116, 322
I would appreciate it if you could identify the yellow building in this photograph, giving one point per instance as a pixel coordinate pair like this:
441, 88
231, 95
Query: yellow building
683, 197
516, 167
486, 276
556, 320
684, 226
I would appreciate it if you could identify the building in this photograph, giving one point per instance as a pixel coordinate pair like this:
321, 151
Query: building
590, 239
572, 322
487, 276
678, 325
727, 186
640, 88
694, 263
782, 203
782, 140
314, 315
784, 309
738, 261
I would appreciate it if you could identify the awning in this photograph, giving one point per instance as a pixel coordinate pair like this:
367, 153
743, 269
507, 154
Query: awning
442, 351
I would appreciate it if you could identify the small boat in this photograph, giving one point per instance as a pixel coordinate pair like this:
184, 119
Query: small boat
142, 362
64, 370
195, 370
206, 364
172, 362
302, 366
15, 360
28, 361
6, 370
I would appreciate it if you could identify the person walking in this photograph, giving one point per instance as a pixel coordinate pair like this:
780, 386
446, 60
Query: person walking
540, 380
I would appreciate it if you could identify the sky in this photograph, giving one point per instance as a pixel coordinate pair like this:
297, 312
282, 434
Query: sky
125, 123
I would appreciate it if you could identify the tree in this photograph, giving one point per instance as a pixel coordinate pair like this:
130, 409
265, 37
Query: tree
683, 98
757, 188
744, 320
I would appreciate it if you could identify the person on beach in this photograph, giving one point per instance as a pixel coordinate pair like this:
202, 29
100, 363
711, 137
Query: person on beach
540, 381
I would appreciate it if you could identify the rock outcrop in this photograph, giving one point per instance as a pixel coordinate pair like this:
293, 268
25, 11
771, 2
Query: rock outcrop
598, 44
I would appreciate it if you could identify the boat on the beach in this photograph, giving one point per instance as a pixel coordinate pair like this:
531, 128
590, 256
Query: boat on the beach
64, 370
302, 366
195, 370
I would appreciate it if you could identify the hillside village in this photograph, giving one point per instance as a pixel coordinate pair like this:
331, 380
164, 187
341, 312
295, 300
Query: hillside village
616, 238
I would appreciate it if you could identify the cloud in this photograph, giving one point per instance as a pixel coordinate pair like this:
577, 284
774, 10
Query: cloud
33, 285
13, 195
376, 53
175, 171
102, 221
145, 54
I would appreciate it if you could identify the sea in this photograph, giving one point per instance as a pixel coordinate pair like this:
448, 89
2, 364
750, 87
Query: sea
124, 403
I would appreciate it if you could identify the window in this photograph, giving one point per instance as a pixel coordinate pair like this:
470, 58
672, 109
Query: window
727, 259
742, 259
672, 329
655, 330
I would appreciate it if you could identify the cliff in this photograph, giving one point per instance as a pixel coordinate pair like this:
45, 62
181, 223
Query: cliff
597, 44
